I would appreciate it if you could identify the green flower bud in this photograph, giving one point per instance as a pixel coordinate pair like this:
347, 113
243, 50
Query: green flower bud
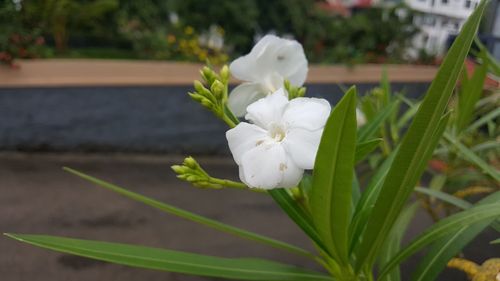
182, 176
208, 74
196, 97
301, 92
192, 178
178, 169
217, 89
224, 74
286, 84
207, 103
191, 163
198, 86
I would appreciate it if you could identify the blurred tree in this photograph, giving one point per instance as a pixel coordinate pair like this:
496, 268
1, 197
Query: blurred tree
57, 17
237, 18
372, 35
301, 19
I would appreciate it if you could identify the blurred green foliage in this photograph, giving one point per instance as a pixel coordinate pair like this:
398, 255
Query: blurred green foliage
145, 29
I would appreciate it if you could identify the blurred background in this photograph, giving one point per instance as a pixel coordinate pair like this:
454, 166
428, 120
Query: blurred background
334, 31
101, 86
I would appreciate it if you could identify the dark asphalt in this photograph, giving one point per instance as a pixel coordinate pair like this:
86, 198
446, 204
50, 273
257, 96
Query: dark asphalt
36, 196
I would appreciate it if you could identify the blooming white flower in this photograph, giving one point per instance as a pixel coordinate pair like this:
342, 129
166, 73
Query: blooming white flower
281, 143
271, 61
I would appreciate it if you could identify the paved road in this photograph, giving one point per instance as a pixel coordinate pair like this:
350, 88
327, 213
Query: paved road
37, 197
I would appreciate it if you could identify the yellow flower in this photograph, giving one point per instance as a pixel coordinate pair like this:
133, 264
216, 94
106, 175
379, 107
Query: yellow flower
188, 30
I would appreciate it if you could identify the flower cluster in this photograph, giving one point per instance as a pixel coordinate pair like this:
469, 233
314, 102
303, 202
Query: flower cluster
283, 129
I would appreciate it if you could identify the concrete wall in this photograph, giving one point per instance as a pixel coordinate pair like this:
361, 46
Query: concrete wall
125, 119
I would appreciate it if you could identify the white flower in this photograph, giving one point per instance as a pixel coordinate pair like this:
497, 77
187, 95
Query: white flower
281, 143
271, 61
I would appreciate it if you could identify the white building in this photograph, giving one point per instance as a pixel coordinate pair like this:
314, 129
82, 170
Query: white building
438, 19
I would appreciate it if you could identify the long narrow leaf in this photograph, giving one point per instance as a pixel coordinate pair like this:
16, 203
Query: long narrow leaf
332, 178
368, 131
191, 216
367, 201
174, 261
445, 197
446, 226
458, 202
484, 120
364, 148
446, 248
393, 244
469, 155
470, 93
410, 160
301, 218
433, 140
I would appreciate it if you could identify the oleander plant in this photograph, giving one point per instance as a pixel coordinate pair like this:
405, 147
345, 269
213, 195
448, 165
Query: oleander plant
305, 154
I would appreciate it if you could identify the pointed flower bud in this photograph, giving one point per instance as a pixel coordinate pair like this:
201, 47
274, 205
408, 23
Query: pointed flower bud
217, 89
224, 74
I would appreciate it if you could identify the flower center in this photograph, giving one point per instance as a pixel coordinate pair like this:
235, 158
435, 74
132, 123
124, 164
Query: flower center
277, 132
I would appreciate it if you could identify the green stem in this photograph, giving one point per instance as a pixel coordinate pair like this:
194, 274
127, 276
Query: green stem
228, 121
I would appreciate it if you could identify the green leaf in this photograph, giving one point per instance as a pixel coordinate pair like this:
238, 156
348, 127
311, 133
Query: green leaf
363, 149
191, 216
470, 156
367, 201
496, 241
470, 93
408, 114
369, 130
297, 214
448, 225
492, 61
483, 120
393, 244
458, 202
446, 248
445, 197
173, 261
333, 176
417, 146
433, 140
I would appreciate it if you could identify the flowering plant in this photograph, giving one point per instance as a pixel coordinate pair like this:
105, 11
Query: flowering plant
356, 233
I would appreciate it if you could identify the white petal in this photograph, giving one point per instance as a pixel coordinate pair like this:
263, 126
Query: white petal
302, 145
248, 68
244, 95
292, 174
244, 137
273, 82
360, 117
272, 55
290, 61
268, 110
266, 166
307, 113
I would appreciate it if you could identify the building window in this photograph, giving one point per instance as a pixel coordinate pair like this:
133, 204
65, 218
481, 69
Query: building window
468, 4
444, 1
429, 20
